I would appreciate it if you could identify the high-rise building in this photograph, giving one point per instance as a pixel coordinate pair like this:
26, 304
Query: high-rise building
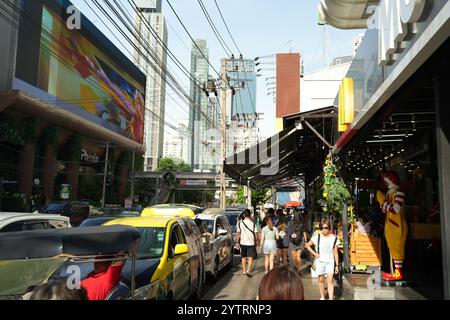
242, 74
197, 121
151, 57
176, 146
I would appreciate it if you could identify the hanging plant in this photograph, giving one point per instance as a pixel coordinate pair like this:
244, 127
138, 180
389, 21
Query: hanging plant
18, 131
50, 137
335, 193
73, 148
125, 159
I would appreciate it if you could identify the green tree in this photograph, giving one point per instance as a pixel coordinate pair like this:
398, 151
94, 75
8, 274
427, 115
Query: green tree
258, 196
174, 165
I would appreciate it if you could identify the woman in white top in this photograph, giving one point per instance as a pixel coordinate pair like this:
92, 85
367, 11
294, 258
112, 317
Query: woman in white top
269, 243
327, 258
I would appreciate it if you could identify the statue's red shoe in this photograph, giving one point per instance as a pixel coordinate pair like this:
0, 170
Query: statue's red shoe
396, 276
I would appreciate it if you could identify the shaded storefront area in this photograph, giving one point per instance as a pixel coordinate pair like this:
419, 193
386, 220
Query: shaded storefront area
41, 157
70, 102
405, 135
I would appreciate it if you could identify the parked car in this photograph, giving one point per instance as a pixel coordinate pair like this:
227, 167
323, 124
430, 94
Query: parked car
168, 211
16, 221
170, 261
219, 248
77, 211
233, 215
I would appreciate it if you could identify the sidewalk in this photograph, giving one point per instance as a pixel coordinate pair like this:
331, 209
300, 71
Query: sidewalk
235, 286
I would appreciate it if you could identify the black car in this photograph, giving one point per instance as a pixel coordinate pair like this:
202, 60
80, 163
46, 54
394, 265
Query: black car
77, 211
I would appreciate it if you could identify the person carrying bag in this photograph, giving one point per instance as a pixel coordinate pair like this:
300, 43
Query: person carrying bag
247, 241
327, 258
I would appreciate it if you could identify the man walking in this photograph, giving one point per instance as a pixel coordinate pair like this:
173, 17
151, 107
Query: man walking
327, 258
247, 240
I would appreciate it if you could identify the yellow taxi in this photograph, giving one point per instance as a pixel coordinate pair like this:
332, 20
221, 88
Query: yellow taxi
170, 261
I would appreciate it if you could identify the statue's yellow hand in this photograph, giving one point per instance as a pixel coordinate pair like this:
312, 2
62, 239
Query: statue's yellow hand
380, 197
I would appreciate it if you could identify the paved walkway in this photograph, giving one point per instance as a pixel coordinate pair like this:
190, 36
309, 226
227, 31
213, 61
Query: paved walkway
232, 285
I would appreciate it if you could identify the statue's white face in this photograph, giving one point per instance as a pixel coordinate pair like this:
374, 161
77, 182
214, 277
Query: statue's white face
390, 184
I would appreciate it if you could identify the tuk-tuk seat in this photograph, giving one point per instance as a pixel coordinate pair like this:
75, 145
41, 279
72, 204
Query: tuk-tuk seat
121, 290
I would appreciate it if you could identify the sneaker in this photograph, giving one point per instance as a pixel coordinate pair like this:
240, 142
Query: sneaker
322, 299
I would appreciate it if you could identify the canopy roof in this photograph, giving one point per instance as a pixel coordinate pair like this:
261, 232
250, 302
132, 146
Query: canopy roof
89, 241
293, 153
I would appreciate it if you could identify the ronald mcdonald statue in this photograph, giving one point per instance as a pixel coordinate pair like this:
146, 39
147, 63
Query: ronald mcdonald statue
396, 228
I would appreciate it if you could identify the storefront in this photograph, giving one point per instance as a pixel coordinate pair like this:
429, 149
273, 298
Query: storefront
70, 101
401, 97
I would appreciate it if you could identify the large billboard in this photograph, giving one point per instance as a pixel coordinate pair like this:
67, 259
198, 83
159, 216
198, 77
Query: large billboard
81, 71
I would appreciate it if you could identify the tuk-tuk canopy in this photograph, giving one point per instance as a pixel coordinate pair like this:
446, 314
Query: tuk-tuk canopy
89, 241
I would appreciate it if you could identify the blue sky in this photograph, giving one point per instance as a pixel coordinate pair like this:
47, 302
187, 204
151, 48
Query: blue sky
259, 27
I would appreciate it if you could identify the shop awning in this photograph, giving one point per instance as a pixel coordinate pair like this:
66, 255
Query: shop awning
283, 160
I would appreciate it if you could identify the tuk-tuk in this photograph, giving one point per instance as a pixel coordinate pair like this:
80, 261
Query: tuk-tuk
33, 258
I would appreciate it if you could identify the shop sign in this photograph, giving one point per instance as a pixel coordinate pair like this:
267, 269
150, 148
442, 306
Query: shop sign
193, 183
65, 191
391, 19
128, 203
85, 156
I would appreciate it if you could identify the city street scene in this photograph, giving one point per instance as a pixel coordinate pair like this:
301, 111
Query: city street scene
232, 150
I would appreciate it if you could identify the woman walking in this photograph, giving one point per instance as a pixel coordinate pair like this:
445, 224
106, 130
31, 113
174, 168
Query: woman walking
297, 238
327, 258
282, 244
269, 243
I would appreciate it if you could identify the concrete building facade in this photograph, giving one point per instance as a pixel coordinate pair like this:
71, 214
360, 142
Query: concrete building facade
151, 57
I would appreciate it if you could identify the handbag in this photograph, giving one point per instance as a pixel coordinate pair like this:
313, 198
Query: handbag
313, 266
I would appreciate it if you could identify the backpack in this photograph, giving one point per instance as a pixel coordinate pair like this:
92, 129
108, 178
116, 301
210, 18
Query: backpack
318, 250
296, 237
318, 243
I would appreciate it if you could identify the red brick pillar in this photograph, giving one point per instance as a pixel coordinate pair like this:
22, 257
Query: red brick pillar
48, 173
123, 175
25, 169
72, 178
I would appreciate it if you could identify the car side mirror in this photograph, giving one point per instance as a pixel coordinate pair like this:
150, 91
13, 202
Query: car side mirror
222, 232
181, 249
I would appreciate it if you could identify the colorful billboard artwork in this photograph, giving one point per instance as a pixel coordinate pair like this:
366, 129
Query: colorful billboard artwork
73, 69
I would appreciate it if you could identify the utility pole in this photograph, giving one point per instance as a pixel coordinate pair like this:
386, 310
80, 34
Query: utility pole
132, 178
249, 195
223, 107
105, 172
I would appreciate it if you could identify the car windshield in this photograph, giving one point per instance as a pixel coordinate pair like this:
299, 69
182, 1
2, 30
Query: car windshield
55, 207
152, 243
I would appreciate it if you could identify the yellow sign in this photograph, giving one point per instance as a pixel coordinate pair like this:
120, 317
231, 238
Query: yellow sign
279, 124
346, 104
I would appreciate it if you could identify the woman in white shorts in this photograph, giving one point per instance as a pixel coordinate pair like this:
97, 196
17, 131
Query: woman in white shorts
327, 258
269, 243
